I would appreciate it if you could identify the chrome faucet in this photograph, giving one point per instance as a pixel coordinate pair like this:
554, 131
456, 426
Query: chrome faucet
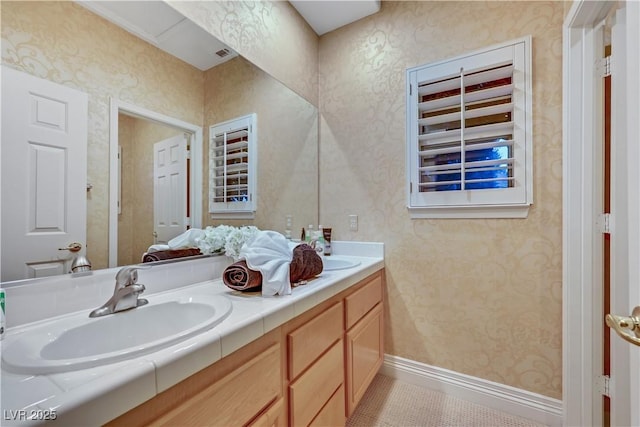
125, 295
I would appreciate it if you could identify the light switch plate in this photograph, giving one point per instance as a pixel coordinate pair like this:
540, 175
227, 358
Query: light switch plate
353, 222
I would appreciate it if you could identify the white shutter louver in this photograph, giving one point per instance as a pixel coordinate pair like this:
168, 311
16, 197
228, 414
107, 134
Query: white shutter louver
469, 130
470, 114
231, 166
232, 159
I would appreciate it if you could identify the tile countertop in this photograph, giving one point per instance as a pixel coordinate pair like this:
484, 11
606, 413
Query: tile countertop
96, 395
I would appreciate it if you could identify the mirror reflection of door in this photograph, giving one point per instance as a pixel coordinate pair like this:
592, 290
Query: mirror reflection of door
137, 219
169, 190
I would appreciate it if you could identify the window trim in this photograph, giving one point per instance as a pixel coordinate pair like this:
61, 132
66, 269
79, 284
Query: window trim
247, 210
488, 208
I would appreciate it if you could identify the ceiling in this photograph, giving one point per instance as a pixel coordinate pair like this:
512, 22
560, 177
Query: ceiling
180, 37
327, 15
168, 30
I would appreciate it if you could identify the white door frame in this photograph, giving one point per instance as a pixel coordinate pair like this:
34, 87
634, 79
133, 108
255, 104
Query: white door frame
582, 186
195, 176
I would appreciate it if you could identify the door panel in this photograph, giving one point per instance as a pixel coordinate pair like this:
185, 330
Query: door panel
44, 175
625, 206
170, 187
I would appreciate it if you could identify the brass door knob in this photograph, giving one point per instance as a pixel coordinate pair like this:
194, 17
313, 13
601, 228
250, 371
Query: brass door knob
625, 325
73, 247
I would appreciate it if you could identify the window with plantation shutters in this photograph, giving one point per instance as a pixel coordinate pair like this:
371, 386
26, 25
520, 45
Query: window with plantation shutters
232, 168
469, 142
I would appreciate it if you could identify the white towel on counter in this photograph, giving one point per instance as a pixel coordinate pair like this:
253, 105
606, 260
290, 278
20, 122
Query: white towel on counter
269, 253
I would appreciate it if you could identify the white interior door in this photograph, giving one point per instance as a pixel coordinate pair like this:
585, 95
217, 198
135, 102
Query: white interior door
170, 188
625, 251
44, 175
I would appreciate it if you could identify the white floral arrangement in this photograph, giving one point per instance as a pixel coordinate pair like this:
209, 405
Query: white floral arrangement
225, 238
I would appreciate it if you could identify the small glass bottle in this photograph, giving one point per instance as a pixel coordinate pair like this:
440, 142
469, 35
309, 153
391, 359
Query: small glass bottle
309, 233
319, 240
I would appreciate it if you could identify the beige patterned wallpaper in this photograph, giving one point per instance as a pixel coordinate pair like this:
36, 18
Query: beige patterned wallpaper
480, 297
271, 34
67, 44
126, 228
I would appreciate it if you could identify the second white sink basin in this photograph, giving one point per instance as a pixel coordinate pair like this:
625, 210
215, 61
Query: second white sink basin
79, 342
331, 264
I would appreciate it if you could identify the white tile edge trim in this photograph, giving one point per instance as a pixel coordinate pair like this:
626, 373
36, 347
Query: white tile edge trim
515, 401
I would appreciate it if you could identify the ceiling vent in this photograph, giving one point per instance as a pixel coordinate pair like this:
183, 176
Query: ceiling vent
223, 52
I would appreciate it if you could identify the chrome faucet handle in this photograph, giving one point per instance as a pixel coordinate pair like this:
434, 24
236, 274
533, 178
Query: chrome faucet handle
127, 276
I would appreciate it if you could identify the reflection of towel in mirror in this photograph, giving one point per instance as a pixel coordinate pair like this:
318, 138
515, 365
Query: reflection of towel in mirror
170, 254
268, 252
305, 264
188, 239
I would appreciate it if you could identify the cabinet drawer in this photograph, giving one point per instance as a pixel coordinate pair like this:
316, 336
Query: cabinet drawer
333, 412
364, 348
236, 398
309, 341
361, 301
274, 416
311, 392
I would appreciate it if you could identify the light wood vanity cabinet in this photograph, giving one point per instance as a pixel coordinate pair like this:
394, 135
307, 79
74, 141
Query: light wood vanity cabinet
311, 371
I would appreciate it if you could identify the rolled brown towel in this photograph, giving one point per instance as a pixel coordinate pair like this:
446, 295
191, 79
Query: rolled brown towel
170, 254
241, 278
306, 263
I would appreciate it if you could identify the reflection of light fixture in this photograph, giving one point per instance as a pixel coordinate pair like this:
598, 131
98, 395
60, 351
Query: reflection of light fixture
80, 263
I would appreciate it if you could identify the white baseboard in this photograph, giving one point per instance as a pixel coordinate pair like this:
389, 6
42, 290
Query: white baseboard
518, 402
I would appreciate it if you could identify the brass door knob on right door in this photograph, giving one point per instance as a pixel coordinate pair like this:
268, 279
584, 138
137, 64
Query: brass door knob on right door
627, 327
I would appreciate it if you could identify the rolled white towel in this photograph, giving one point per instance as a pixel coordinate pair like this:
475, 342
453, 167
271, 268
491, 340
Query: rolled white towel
186, 239
158, 248
269, 253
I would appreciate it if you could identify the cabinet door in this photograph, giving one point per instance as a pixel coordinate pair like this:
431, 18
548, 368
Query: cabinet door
364, 351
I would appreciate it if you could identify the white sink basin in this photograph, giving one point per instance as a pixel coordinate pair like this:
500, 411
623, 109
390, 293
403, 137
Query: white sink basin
330, 264
79, 342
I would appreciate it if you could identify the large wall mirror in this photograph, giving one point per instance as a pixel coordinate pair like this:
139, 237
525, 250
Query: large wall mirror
71, 45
